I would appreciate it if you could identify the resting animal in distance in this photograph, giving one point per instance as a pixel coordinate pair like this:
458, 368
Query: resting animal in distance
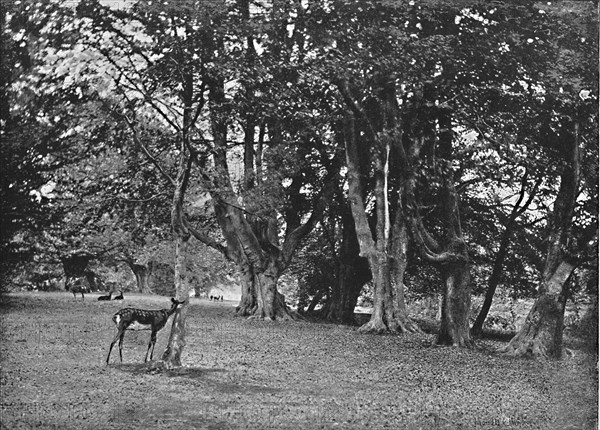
141, 319
106, 297
119, 297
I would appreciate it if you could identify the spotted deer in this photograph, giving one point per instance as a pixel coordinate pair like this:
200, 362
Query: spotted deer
141, 319
76, 286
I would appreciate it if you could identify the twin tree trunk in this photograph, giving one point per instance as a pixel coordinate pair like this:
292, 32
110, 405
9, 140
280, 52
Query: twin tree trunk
389, 310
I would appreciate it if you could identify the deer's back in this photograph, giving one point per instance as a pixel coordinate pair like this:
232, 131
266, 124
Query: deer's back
140, 319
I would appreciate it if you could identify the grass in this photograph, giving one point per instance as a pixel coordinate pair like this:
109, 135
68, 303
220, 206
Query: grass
241, 373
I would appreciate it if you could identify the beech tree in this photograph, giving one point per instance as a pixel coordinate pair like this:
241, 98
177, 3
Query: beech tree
186, 79
568, 130
371, 133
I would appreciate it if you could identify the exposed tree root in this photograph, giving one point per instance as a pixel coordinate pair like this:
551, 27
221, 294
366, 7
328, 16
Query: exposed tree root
281, 312
396, 325
374, 326
457, 338
245, 309
541, 335
407, 325
531, 349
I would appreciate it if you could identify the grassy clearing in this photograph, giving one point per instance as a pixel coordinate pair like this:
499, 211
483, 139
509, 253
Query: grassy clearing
252, 374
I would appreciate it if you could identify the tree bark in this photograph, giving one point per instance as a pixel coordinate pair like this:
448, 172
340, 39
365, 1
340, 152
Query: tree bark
142, 276
384, 316
541, 334
247, 305
172, 355
456, 306
378, 262
353, 274
450, 254
493, 282
399, 263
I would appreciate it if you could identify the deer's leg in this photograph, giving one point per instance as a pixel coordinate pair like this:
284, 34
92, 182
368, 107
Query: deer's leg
121, 345
113, 344
150, 345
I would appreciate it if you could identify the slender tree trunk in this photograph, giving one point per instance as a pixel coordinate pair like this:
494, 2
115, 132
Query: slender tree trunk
496, 275
315, 301
176, 344
493, 282
172, 355
456, 307
399, 264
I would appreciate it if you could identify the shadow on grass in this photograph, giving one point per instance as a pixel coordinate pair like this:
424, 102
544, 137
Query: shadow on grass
156, 367
497, 335
223, 380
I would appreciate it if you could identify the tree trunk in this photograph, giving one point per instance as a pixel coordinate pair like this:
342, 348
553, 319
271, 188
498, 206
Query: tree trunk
353, 274
172, 355
315, 301
378, 260
271, 303
142, 275
399, 263
248, 304
76, 269
493, 282
384, 317
456, 306
541, 334
496, 275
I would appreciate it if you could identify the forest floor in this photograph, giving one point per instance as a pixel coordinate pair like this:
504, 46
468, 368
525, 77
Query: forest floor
241, 373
